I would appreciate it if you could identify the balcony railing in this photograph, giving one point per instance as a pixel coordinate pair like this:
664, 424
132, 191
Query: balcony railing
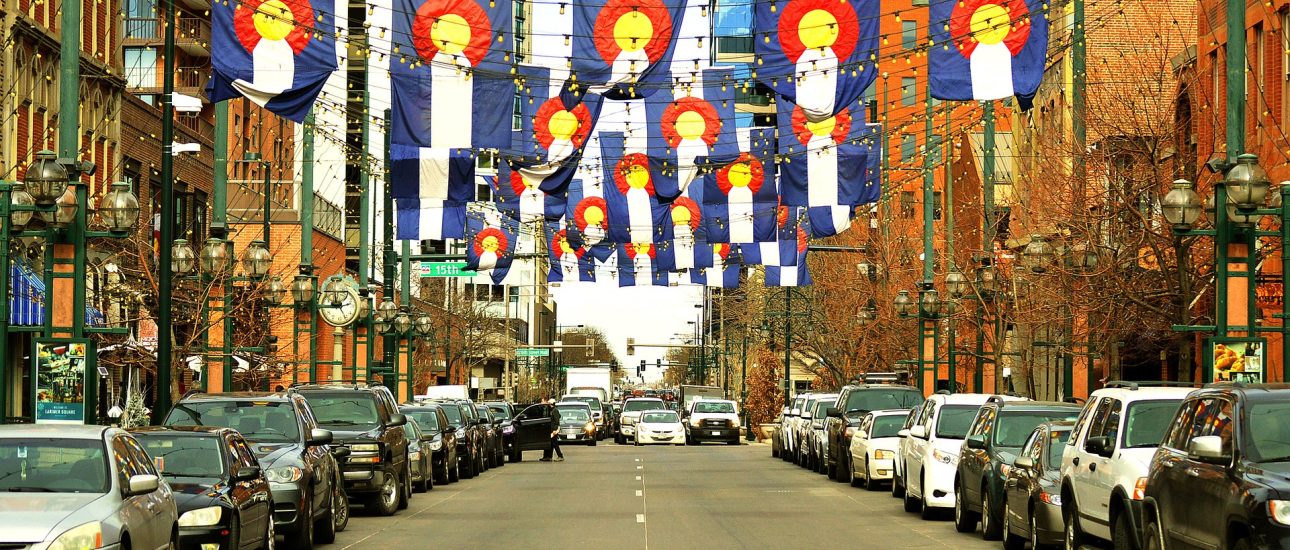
193, 34
328, 218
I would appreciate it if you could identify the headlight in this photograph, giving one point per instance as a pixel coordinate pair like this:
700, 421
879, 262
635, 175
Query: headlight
508, 430
201, 517
82, 537
883, 455
628, 420
944, 457
365, 447
733, 423
589, 427
1279, 511
1051, 498
1140, 489
285, 474
436, 444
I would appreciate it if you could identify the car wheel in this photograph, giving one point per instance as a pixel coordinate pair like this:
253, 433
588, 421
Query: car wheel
593, 443
325, 526
340, 516
1010, 541
386, 500
1074, 537
270, 541
990, 524
734, 441
964, 521
927, 513
911, 504
427, 481
1122, 535
897, 485
851, 475
870, 483
405, 494
1153, 538
304, 539
453, 467
516, 454
774, 450
467, 467
618, 439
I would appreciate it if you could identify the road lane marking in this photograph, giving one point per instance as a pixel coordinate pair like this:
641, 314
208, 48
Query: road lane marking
638, 478
640, 493
640, 518
410, 516
640, 467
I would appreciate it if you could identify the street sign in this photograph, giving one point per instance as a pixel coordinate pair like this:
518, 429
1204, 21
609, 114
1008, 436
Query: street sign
532, 352
444, 269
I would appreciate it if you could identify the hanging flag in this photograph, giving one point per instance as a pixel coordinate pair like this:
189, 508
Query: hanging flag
794, 273
518, 191
691, 119
570, 260
624, 45
782, 250
644, 263
587, 216
823, 165
819, 54
276, 53
430, 188
987, 49
450, 82
556, 117
724, 271
491, 237
635, 213
740, 195
689, 239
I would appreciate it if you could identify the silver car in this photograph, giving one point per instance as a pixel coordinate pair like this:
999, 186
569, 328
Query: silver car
69, 486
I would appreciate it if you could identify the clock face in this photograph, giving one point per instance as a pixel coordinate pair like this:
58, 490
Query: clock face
343, 314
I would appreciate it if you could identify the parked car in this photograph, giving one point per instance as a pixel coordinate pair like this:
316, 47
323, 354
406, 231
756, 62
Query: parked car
1104, 467
98, 487
632, 409
898, 472
492, 424
874, 445
479, 430
1032, 506
419, 455
504, 412
469, 451
815, 436
442, 444
1222, 472
309, 501
931, 452
367, 420
852, 403
803, 427
712, 420
995, 440
660, 427
791, 424
777, 435
221, 494
532, 429
576, 424
597, 410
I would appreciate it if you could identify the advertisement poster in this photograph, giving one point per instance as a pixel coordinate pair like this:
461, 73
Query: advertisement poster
1237, 359
60, 382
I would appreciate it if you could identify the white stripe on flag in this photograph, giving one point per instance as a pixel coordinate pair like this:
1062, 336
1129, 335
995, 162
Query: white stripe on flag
641, 215
740, 210
817, 89
451, 101
822, 171
430, 220
684, 240
435, 167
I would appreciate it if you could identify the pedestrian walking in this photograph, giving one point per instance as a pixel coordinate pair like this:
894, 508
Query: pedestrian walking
555, 435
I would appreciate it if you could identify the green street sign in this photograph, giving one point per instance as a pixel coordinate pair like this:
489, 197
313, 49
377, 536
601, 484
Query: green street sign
445, 269
532, 352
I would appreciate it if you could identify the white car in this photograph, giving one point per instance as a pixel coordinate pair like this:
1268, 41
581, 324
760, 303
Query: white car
814, 432
632, 409
1105, 464
874, 446
712, 420
931, 450
660, 427
792, 422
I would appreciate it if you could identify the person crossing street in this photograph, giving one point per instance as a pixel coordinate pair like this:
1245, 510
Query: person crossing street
555, 435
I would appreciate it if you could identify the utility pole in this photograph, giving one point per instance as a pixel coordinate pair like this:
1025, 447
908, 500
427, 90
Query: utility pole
987, 245
165, 330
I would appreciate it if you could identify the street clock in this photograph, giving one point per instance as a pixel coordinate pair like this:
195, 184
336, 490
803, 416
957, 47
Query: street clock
345, 313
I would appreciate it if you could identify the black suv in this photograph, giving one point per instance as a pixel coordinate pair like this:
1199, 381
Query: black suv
469, 449
367, 420
504, 413
844, 417
1221, 476
993, 441
434, 422
308, 500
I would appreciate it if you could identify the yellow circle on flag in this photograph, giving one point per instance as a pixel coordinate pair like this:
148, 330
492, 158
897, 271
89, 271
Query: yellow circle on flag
594, 216
690, 125
681, 215
489, 244
823, 127
633, 31
740, 175
637, 176
641, 248
450, 33
273, 20
818, 29
562, 125
990, 24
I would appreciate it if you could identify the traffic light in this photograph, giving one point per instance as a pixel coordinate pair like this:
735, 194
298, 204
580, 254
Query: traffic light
613, 365
640, 371
631, 346
658, 363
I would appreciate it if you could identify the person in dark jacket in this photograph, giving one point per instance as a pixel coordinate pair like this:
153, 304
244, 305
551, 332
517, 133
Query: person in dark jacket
555, 435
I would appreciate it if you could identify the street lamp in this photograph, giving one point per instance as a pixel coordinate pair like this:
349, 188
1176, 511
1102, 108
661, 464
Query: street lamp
21, 205
931, 302
182, 258
1181, 206
214, 257
869, 270
46, 179
904, 304
302, 290
333, 293
275, 292
866, 314
1037, 254
403, 323
424, 325
1247, 182
956, 284
257, 259
65, 210
119, 209
385, 314
987, 278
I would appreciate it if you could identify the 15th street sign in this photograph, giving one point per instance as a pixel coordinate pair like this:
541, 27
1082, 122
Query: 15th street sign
445, 269
532, 352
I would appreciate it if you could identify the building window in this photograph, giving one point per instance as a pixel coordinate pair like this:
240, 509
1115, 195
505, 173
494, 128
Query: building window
909, 35
908, 147
141, 67
907, 204
908, 89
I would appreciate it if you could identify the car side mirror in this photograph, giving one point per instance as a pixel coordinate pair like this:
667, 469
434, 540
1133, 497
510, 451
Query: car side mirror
247, 473
976, 442
1024, 462
340, 452
396, 420
862, 435
142, 484
918, 431
1099, 445
902, 433
1207, 448
429, 436
319, 436
833, 412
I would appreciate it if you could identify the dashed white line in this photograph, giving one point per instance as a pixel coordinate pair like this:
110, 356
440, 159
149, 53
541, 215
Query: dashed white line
640, 493
640, 467
638, 478
640, 518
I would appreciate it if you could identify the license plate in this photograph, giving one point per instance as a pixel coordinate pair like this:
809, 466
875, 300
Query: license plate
716, 433
568, 436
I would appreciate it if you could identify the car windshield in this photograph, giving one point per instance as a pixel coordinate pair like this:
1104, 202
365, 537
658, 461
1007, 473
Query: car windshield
643, 405
1148, 421
484, 412
820, 407
1267, 435
184, 455
722, 407
573, 414
258, 421
886, 426
1056, 446
345, 409
955, 420
593, 401
876, 399
668, 417
1015, 427
52, 465
454, 415
427, 419
501, 411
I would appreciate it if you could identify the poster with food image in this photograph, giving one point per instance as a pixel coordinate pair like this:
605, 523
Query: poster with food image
1237, 359
60, 382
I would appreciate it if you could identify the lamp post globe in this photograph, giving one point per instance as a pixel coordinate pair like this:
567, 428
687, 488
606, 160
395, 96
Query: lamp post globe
20, 198
119, 209
402, 323
1038, 253
956, 284
333, 292
424, 325
904, 304
865, 315
931, 302
302, 290
275, 292
214, 257
257, 259
64, 210
1181, 205
1238, 216
46, 179
988, 278
385, 314
182, 258
1247, 182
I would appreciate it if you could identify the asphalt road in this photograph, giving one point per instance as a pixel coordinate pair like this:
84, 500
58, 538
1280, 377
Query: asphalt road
610, 496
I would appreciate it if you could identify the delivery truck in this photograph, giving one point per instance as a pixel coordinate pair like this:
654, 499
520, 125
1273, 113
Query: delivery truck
597, 381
